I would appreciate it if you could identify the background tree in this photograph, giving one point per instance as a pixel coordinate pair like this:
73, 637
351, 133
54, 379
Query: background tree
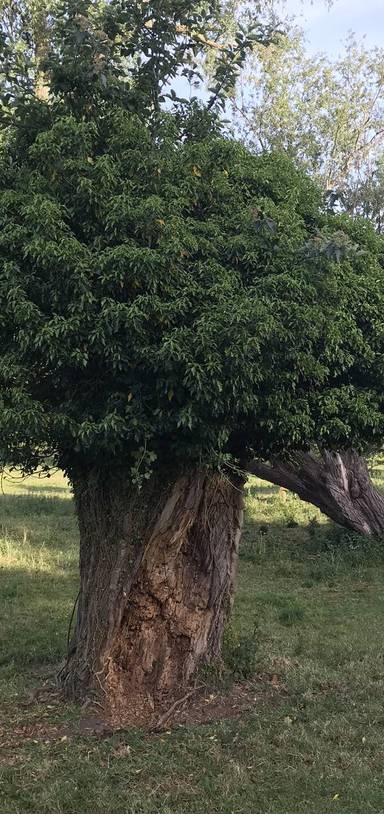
364, 195
167, 315
327, 114
25, 34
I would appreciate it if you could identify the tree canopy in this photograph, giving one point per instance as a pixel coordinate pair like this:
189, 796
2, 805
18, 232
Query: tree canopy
166, 295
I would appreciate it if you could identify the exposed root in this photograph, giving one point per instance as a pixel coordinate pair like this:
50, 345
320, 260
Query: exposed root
159, 726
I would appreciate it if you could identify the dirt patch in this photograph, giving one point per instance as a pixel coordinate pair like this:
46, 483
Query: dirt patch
41, 732
211, 707
201, 705
243, 698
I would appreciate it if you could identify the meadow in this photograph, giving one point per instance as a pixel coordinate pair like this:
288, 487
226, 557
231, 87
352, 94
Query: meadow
294, 724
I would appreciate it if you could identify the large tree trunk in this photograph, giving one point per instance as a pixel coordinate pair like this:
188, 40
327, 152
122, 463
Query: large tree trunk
156, 585
338, 483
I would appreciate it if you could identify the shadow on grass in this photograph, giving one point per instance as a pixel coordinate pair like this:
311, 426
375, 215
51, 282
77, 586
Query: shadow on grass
262, 489
311, 552
35, 610
29, 505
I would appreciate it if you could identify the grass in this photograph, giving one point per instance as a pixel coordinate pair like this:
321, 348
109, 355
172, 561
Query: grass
307, 634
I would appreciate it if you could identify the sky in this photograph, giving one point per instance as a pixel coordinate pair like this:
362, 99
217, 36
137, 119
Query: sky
326, 28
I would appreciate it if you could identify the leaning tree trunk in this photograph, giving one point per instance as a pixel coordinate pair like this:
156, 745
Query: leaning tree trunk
156, 585
338, 483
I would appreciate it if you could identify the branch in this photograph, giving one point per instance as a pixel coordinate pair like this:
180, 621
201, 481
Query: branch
337, 483
288, 475
194, 35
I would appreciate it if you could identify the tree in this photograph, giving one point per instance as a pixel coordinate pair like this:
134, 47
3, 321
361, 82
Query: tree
364, 196
25, 33
327, 114
172, 306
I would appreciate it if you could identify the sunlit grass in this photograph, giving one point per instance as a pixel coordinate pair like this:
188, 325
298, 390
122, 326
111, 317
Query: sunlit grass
38, 570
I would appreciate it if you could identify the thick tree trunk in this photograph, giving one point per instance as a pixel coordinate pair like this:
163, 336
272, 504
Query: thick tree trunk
156, 585
337, 483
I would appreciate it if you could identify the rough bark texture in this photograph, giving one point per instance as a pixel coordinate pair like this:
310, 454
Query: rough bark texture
337, 483
156, 585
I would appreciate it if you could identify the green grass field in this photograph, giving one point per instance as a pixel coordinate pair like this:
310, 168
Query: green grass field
307, 639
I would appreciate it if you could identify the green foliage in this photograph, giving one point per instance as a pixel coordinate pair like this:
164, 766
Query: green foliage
241, 651
164, 300
84, 53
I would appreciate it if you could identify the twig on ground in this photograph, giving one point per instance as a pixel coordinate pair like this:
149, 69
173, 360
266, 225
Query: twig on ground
166, 716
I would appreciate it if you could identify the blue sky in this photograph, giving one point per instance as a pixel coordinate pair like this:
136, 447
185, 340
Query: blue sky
327, 28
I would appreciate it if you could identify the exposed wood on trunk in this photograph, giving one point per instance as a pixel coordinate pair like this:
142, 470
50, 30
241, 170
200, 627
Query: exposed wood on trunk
338, 483
157, 571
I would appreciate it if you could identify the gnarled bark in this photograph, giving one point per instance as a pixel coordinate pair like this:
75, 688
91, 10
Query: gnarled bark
157, 570
338, 483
